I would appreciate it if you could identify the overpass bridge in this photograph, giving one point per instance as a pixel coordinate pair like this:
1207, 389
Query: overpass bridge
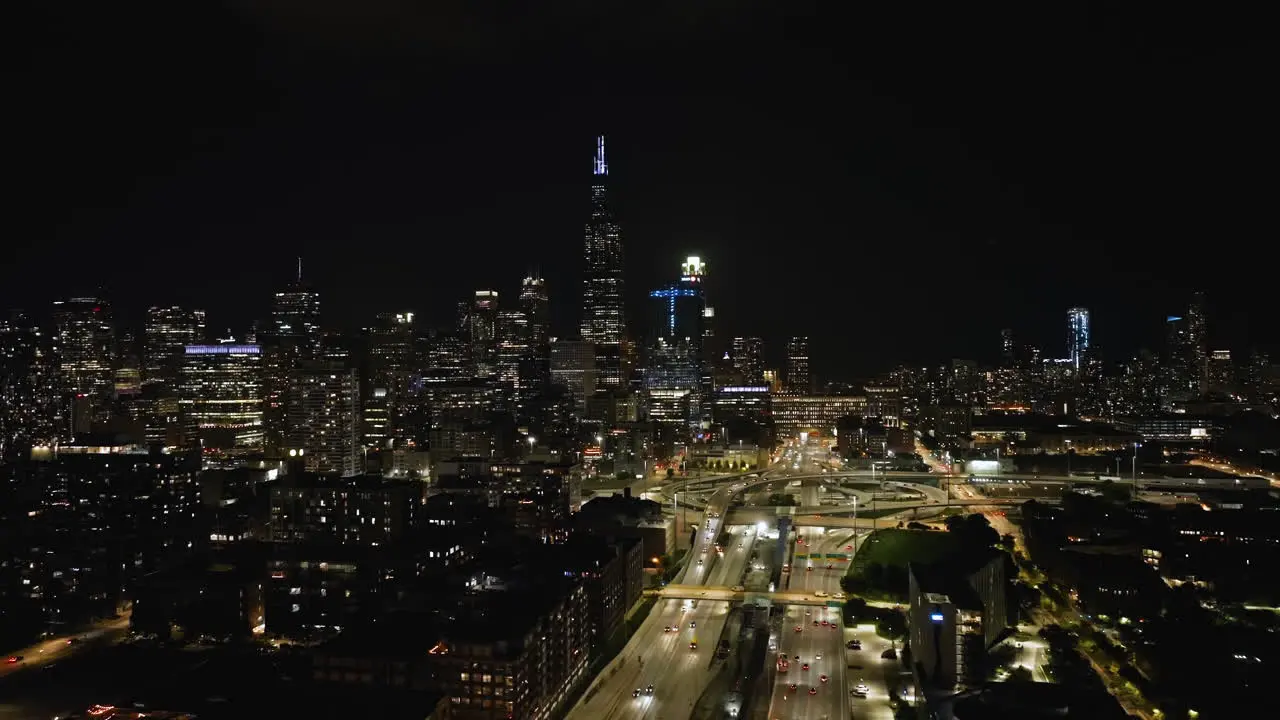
834, 516
726, 594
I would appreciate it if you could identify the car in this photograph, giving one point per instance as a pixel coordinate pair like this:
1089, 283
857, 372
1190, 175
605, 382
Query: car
809, 569
792, 687
693, 624
889, 654
666, 628
804, 666
798, 628
693, 645
14, 659
635, 693
699, 561
854, 692
830, 566
818, 656
648, 690
854, 644
815, 623
862, 688
797, 658
823, 678
813, 690
808, 612
825, 622
848, 547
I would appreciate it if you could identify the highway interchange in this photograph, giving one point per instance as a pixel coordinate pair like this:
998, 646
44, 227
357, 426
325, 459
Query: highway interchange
659, 654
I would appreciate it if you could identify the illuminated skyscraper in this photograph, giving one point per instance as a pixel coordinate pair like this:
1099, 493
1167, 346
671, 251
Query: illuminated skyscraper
798, 379
85, 341
324, 416
291, 337
1078, 336
748, 358
29, 407
221, 389
483, 325
603, 322
167, 331
536, 306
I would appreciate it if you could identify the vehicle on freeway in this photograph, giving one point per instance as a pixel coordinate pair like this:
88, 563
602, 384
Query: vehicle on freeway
635, 693
693, 645
823, 678
804, 666
14, 659
648, 690
813, 690
798, 628
792, 687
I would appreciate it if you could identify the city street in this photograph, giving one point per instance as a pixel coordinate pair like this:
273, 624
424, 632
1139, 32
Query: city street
47, 652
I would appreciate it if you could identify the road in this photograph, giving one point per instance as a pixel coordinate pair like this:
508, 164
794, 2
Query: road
47, 652
824, 647
662, 658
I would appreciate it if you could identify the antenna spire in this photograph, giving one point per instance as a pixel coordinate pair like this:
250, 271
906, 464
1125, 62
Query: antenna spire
602, 167
299, 270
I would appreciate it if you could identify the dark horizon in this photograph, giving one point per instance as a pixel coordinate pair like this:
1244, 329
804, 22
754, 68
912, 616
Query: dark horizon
900, 199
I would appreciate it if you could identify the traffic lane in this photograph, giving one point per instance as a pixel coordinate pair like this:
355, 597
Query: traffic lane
867, 667
63, 647
679, 674
648, 638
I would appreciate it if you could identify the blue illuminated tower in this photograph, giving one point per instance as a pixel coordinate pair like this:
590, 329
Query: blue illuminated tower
677, 348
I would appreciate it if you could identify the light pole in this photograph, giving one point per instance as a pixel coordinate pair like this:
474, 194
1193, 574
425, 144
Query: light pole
1136, 445
1068, 459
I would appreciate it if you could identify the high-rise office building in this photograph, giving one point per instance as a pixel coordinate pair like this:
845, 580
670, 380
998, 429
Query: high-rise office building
798, 379
392, 365
482, 323
292, 336
535, 303
29, 404
603, 319
324, 417
1198, 338
676, 355
535, 367
1078, 337
85, 346
512, 345
221, 395
166, 332
748, 358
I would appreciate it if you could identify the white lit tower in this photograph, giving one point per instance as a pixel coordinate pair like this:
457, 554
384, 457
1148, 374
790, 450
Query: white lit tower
603, 321
1079, 330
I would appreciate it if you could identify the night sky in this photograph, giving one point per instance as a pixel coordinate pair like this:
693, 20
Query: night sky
899, 186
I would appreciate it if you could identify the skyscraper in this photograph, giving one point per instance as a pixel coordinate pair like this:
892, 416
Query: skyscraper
603, 322
28, 391
166, 332
748, 358
1078, 333
798, 379
324, 416
85, 340
1198, 337
291, 337
536, 306
482, 323
677, 360
221, 390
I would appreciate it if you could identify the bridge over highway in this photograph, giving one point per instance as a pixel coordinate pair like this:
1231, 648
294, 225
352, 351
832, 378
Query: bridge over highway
726, 594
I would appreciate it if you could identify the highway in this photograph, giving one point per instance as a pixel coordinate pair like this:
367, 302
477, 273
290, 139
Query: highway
662, 658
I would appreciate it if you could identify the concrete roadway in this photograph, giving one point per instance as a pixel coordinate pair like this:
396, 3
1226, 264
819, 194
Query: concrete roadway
655, 656
822, 647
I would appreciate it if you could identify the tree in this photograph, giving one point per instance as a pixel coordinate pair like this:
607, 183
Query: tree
892, 624
1020, 674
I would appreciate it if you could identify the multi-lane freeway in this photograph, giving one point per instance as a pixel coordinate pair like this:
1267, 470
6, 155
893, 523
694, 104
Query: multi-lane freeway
660, 655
